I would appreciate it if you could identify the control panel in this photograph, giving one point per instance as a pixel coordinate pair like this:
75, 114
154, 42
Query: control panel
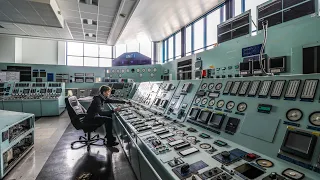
55, 90
38, 91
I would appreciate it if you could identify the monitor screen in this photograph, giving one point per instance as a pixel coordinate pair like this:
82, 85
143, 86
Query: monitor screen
113, 91
198, 74
118, 86
204, 116
256, 64
214, 95
245, 66
277, 62
217, 120
59, 90
43, 91
157, 101
198, 64
26, 91
1, 84
194, 113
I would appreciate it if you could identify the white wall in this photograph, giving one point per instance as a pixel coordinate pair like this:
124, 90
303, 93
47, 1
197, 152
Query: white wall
37, 51
7, 49
18, 50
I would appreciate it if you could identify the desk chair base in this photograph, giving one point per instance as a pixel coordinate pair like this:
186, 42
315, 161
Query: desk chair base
88, 141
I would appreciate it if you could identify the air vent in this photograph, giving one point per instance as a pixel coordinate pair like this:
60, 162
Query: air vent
90, 35
90, 2
89, 21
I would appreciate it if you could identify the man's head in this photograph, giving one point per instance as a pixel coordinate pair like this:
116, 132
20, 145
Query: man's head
105, 90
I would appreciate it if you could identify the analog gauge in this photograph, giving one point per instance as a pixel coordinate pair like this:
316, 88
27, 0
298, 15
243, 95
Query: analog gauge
191, 138
205, 146
211, 102
128, 70
152, 75
242, 107
204, 101
138, 70
118, 70
113, 71
197, 100
154, 69
218, 86
111, 75
122, 70
314, 118
294, 114
143, 70
220, 103
173, 87
211, 86
120, 75
230, 105
108, 71
204, 85
149, 69
140, 75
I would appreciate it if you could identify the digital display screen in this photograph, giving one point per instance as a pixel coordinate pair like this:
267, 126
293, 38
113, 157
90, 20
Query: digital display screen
1, 84
214, 95
245, 66
198, 64
249, 171
186, 87
59, 90
157, 101
256, 64
198, 74
194, 113
277, 62
217, 120
43, 91
26, 91
118, 86
204, 116
298, 142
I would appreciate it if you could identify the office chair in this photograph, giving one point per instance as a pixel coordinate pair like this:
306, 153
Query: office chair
77, 114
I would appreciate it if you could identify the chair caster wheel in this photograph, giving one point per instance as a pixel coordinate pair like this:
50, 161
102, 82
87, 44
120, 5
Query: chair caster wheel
88, 148
79, 138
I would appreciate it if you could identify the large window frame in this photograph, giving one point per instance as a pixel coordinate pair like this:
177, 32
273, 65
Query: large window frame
82, 57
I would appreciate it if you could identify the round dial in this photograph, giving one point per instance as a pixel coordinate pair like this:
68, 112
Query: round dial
197, 100
120, 75
204, 85
314, 118
118, 70
149, 69
128, 70
294, 114
152, 75
205, 146
211, 102
113, 71
143, 70
242, 107
191, 138
122, 70
138, 70
218, 86
230, 105
204, 101
111, 75
154, 69
140, 75
220, 103
173, 87
211, 86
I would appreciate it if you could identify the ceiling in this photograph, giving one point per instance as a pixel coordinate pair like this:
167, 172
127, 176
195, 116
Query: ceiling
155, 20
81, 21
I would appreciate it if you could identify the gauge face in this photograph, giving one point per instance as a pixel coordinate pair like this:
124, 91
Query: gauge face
197, 100
204, 85
218, 86
191, 138
113, 71
122, 70
154, 69
120, 75
128, 70
242, 107
111, 75
230, 105
118, 70
205, 146
173, 87
220, 103
143, 70
140, 75
204, 101
152, 75
138, 70
211, 86
314, 118
149, 70
294, 114
211, 102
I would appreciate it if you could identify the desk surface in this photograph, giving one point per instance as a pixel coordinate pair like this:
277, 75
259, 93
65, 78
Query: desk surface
8, 118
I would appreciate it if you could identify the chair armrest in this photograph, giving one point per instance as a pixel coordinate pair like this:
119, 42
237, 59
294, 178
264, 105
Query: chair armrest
81, 115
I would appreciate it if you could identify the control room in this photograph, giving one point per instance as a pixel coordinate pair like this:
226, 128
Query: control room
159, 89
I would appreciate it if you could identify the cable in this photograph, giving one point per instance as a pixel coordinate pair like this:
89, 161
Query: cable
265, 36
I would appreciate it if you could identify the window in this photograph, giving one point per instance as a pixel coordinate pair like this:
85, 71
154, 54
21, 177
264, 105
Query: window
170, 48
103, 62
75, 49
120, 49
165, 57
133, 47
90, 61
188, 40
82, 54
146, 48
213, 20
199, 35
237, 7
105, 51
178, 45
252, 4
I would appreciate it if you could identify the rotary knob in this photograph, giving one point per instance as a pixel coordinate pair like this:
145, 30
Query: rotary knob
225, 154
273, 175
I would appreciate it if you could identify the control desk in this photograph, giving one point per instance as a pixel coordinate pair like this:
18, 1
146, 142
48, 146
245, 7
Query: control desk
259, 128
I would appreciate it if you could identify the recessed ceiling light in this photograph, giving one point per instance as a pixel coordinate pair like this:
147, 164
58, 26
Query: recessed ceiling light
90, 35
90, 2
89, 21
122, 15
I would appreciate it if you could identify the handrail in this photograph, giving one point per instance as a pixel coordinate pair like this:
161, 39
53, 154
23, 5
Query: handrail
139, 150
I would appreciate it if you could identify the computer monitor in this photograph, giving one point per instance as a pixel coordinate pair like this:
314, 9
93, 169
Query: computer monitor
204, 117
216, 120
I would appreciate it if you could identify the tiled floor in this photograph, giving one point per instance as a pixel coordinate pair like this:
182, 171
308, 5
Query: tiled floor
52, 158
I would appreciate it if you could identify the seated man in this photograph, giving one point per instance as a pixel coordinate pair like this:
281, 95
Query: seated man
95, 112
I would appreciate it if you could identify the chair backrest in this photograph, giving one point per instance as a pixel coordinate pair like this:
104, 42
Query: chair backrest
74, 109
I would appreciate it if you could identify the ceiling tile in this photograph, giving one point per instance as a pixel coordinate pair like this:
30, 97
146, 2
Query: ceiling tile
88, 8
75, 29
102, 28
110, 3
77, 33
87, 26
106, 18
68, 5
71, 13
104, 23
90, 31
75, 25
108, 11
73, 20
88, 16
